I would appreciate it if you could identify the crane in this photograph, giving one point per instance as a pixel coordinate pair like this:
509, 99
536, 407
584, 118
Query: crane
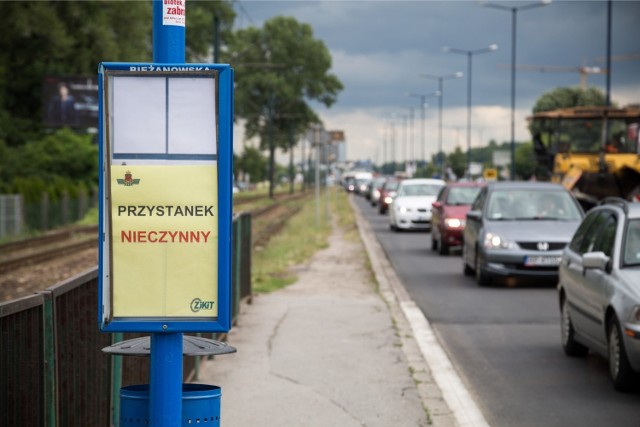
583, 70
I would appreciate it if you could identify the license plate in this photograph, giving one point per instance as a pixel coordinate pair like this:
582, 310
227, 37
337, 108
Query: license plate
550, 261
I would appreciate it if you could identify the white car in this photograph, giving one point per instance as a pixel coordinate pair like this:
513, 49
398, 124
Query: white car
411, 208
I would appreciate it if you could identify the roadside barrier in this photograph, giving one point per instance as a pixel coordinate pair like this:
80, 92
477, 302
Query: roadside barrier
52, 368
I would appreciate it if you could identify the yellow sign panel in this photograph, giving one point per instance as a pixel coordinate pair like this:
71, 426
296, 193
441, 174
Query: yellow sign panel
490, 174
164, 240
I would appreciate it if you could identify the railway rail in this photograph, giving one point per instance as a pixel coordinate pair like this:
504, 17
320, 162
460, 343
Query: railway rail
20, 258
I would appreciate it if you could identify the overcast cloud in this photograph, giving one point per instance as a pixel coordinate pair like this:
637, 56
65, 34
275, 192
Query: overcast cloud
379, 49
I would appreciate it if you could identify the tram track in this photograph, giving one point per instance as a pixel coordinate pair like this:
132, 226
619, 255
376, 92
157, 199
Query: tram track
70, 247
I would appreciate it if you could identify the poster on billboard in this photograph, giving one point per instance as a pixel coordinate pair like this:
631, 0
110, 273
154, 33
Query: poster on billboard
70, 101
166, 205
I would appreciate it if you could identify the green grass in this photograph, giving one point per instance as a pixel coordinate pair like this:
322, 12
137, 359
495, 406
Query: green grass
90, 218
346, 217
294, 245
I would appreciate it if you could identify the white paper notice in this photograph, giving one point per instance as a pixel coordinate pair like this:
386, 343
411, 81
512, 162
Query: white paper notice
192, 116
173, 12
139, 115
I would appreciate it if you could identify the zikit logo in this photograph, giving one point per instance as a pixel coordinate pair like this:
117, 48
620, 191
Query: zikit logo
197, 304
128, 180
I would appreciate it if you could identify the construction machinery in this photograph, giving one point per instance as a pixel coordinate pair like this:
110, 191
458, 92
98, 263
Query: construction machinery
593, 151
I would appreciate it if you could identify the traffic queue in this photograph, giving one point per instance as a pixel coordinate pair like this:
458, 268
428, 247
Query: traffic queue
512, 231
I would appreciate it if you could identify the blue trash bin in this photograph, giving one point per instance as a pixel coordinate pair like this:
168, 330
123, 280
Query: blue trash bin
200, 405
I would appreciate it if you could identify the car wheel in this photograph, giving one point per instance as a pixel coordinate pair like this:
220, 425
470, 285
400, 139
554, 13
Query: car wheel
622, 374
481, 276
570, 346
468, 271
434, 241
443, 249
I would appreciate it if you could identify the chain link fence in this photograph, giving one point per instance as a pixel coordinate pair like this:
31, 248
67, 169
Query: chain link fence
18, 217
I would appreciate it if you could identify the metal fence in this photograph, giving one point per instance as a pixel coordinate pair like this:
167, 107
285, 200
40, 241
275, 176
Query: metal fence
17, 217
11, 215
52, 369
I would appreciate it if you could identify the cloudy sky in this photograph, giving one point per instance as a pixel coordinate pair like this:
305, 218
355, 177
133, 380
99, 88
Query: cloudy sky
380, 49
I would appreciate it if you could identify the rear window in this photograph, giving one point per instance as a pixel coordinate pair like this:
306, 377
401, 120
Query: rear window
420, 190
523, 204
462, 195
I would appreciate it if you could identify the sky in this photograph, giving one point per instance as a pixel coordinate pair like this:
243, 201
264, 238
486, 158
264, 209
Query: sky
382, 51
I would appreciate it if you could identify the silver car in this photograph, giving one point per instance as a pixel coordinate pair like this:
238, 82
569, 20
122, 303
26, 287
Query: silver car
518, 230
599, 290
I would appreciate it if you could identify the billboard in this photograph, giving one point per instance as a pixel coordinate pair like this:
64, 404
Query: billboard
70, 101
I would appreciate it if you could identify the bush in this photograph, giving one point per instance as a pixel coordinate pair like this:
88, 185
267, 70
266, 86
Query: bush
59, 163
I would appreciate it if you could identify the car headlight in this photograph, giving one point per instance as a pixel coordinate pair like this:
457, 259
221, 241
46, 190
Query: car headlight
403, 209
634, 315
495, 241
388, 200
454, 223
376, 194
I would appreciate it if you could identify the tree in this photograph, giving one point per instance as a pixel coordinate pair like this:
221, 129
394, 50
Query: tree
66, 38
526, 165
457, 161
202, 17
61, 38
252, 162
278, 69
566, 97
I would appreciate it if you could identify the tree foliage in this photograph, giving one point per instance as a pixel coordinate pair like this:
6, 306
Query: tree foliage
566, 97
62, 161
278, 69
61, 38
252, 162
69, 38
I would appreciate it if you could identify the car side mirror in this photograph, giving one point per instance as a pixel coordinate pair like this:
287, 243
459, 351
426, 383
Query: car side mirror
436, 205
474, 215
597, 260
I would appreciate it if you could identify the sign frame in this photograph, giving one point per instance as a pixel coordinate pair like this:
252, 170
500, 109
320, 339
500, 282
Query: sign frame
223, 159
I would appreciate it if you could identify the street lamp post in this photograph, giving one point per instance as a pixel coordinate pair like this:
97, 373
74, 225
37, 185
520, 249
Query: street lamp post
409, 152
514, 12
470, 54
441, 79
423, 106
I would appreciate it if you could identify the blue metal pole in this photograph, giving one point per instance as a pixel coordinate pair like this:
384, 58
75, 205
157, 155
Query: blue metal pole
165, 388
168, 40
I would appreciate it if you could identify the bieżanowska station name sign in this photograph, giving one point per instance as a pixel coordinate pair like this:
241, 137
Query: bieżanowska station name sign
166, 197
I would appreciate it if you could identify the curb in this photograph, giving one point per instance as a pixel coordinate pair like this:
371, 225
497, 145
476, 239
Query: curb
445, 398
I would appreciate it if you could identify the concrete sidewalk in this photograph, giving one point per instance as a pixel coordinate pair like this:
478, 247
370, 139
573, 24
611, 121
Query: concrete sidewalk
333, 349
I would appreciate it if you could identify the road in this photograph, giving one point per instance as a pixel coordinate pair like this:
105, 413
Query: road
504, 341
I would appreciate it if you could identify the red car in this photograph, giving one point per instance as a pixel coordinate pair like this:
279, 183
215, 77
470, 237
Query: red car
387, 193
449, 212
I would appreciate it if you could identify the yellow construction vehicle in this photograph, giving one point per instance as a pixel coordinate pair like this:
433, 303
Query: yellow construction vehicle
593, 151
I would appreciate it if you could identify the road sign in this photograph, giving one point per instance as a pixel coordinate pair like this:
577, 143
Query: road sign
165, 212
490, 174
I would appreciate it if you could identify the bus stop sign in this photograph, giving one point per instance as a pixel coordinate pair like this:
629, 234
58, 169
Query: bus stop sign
165, 197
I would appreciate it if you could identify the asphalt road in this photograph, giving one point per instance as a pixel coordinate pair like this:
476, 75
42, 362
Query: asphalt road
504, 341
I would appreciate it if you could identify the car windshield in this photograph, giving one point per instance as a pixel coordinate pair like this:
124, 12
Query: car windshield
523, 204
462, 195
419, 190
631, 248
